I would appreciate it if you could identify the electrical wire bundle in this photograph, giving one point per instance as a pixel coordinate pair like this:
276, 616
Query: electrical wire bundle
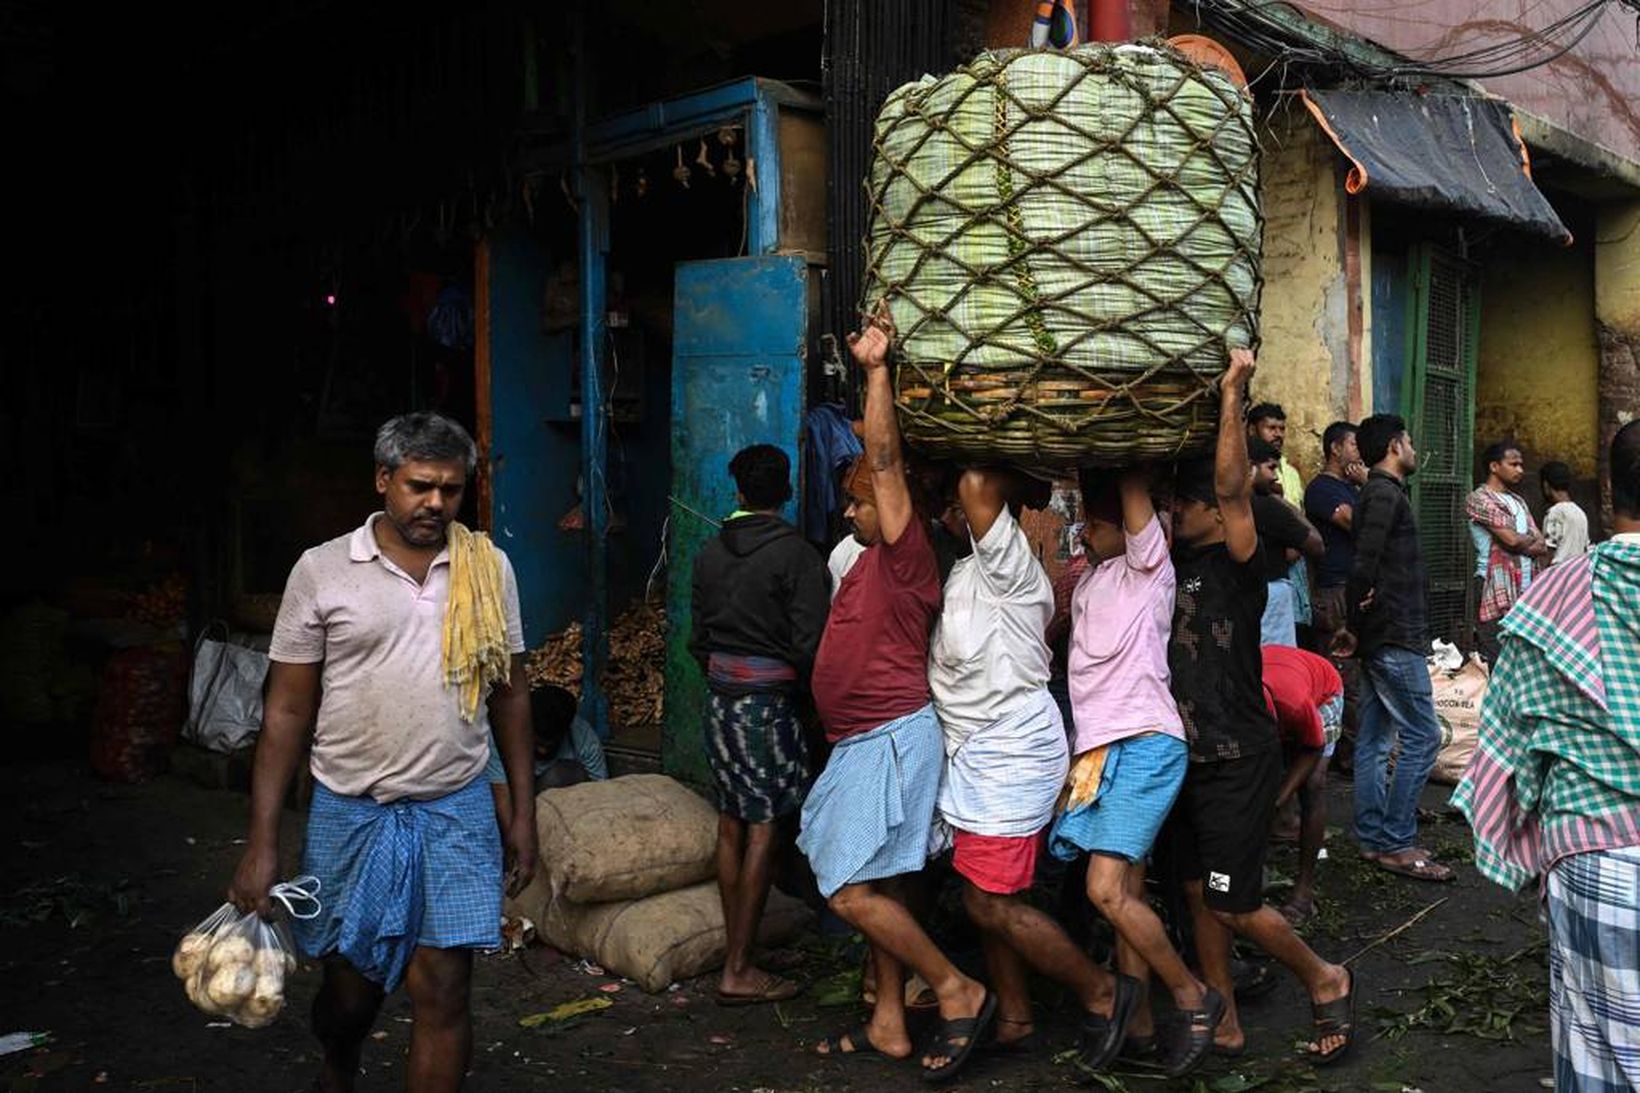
1250, 22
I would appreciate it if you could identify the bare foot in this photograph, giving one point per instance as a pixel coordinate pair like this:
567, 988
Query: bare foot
1011, 1030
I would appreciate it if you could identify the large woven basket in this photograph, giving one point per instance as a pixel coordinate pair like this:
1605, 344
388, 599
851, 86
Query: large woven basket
1067, 241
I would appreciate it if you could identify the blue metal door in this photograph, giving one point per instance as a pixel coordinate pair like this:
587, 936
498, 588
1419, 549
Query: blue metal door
533, 461
739, 334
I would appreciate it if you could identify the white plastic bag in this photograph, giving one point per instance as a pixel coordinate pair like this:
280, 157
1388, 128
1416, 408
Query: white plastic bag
234, 966
224, 693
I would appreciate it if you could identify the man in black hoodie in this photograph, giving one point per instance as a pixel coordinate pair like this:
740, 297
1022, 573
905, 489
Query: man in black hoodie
758, 605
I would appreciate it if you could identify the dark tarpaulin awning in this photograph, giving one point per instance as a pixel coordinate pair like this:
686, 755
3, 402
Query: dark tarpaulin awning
1451, 153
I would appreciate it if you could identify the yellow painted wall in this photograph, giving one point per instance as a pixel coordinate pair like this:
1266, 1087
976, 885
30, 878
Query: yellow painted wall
1538, 369
1617, 266
1303, 361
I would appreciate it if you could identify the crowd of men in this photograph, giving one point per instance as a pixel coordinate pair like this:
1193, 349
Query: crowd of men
1178, 732
1148, 716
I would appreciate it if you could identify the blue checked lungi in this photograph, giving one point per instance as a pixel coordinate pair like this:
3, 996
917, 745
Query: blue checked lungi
1137, 787
402, 875
1594, 971
1005, 778
871, 810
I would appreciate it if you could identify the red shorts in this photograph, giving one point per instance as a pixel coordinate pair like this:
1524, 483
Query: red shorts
999, 864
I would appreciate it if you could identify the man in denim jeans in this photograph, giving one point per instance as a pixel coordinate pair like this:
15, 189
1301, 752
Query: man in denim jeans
1387, 599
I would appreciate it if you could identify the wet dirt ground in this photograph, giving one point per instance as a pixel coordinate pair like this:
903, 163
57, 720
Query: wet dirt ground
99, 881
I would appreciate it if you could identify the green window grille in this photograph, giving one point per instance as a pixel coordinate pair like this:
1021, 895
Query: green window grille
1442, 337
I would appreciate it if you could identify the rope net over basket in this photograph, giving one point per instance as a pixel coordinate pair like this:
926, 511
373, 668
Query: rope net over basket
1067, 241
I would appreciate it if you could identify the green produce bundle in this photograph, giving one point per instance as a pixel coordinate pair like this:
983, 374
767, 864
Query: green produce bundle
1067, 241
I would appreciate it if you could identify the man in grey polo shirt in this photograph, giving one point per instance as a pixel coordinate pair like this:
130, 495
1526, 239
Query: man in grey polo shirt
402, 830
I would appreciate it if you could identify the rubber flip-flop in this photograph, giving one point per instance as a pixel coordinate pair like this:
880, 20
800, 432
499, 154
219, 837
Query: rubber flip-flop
1195, 1034
775, 989
971, 1030
1335, 1018
1100, 1038
860, 1046
1419, 868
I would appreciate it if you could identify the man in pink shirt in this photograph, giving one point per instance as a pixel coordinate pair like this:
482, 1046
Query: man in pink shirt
1129, 746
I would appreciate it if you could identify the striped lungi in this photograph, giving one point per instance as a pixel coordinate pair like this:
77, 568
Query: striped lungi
870, 812
759, 761
394, 877
1594, 971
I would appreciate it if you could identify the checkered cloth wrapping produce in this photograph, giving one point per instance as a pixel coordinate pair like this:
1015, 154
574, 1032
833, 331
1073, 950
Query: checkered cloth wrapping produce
1067, 241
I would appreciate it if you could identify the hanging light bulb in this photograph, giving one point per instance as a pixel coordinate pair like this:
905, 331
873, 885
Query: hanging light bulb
704, 161
731, 165
681, 171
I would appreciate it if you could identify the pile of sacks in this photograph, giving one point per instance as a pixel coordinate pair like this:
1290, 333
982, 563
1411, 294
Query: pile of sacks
626, 880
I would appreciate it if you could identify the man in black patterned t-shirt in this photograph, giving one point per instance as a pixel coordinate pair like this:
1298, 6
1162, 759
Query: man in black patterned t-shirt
1220, 824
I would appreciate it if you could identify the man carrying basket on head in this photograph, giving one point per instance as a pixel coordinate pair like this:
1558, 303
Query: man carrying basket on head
867, 820
1006, 759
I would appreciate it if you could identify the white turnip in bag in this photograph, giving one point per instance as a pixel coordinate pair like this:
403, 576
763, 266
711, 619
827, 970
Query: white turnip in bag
234, 965
196, 943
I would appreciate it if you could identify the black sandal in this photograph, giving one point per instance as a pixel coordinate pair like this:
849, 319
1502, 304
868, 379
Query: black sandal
859, 1045
971, 1030
1100, 1039
1195, 1030
1335, 1018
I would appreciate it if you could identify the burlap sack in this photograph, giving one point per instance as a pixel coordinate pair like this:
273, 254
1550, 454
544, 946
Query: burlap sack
1458, 698
623, 838
661, 939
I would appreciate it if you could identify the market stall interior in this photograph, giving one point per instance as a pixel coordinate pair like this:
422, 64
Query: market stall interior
699, 346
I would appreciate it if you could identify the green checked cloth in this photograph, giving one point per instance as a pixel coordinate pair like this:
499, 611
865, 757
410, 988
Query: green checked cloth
1067, 241
1557, 771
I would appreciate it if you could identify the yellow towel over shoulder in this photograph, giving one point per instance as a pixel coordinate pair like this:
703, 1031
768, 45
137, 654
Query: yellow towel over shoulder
476, 656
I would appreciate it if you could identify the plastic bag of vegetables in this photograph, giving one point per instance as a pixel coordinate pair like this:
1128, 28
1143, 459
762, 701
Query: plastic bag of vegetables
234, 966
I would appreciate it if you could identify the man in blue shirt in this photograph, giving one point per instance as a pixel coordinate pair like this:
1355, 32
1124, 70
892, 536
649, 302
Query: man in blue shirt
1330, 503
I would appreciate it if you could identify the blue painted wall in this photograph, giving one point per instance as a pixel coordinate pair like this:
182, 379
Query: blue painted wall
739, 332
1390, 294
534, 461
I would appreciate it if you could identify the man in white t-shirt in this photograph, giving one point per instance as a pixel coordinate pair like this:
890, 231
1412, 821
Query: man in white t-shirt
842, 559
1565, 525
1006, 759
402, 830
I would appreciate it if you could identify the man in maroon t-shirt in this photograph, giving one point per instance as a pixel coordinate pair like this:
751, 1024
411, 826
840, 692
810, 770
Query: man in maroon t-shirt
866, 821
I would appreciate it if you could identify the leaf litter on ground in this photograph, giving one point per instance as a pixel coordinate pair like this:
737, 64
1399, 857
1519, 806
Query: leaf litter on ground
1486, 996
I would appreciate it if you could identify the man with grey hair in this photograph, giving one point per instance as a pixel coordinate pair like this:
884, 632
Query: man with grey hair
397, 647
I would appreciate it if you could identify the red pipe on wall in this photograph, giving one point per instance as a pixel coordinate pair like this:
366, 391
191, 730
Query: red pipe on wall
1110, 21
